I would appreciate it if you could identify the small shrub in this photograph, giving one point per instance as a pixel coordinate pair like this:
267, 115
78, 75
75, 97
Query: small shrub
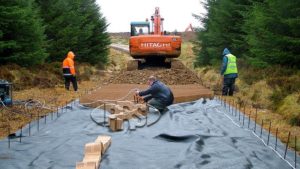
5, 74
43, 82
257, 94
252, 75
100, 66
290, 109
276, 97
288, 84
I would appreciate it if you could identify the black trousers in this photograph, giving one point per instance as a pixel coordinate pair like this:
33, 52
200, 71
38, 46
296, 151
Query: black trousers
228, 86
72, 79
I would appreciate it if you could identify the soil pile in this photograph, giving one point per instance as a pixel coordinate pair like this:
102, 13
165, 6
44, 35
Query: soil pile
168, 76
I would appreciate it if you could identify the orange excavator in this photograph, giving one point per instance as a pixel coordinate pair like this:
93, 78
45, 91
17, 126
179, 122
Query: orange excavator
150, 44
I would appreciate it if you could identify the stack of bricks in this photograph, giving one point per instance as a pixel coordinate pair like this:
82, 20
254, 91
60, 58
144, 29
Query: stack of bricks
115, 123
124, 110
93, 153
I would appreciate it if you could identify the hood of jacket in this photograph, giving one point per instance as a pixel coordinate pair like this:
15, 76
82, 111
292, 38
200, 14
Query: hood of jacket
226, 51
71, 55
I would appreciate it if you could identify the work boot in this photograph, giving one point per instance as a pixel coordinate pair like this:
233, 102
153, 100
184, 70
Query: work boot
163, 110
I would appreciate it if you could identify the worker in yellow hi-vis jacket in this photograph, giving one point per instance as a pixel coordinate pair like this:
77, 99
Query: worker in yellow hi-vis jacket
230, 72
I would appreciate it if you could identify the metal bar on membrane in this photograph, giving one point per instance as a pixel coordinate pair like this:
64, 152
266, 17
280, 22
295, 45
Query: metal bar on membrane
276, 138
287, 144
262, 126
269, 133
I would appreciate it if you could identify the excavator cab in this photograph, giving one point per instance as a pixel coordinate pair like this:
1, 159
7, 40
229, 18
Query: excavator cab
139, 28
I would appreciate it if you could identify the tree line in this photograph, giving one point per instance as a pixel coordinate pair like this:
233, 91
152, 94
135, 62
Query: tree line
33, 32
262, 32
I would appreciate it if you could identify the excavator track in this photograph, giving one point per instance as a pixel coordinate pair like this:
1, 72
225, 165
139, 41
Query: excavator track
157, 62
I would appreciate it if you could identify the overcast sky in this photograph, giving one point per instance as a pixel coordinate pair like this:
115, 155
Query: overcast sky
177, 13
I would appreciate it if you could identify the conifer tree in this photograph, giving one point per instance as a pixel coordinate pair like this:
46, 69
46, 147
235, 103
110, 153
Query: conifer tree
76, 25
22, 39
222, 28
273, 32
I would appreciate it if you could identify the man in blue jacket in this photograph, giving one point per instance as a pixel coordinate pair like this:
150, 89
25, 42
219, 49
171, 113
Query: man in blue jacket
157, 95
230, 72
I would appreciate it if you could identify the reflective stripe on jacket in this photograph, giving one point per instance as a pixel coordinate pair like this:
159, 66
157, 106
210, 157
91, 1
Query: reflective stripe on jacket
68, 65
231, 65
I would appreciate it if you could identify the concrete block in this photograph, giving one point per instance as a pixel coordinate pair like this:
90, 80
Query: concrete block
141, 106
142, 109
85, 165
92, 148
129, 114
129, 105
112, 122
95, 158
121, 115
119, 124
118, 109
105, 142
109, 107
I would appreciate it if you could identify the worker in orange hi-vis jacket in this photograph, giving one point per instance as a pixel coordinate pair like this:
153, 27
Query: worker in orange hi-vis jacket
69, 71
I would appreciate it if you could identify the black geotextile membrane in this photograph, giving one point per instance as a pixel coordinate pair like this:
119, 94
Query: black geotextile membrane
188, 136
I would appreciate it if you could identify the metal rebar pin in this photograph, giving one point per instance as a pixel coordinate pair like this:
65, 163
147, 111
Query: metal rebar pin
262, 126
38, 125
21, 134
104, 114
287, 144
269, 132
255, 120
8, 137
249, 119
276, 138
295, 151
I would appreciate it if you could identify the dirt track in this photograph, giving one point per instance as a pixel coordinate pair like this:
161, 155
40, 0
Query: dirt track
168, 76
